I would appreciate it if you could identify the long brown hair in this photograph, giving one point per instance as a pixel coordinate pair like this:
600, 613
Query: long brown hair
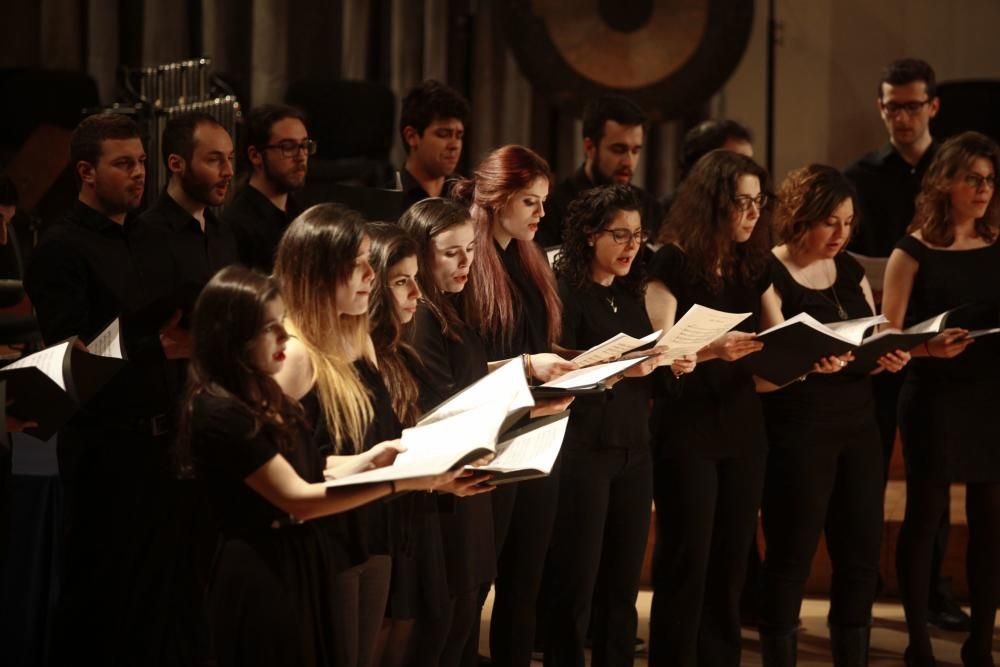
315, 255
391, 245
933, 217
228, 317
489, 304
423, 221
700, 221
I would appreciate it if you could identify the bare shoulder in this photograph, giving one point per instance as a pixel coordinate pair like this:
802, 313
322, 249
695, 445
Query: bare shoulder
297, 375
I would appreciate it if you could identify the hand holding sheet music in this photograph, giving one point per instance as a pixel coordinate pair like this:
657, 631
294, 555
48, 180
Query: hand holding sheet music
699, 327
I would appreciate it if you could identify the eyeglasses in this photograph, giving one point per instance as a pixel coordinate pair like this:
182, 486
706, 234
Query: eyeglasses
976, 181
291, 148
623, 236
911, 108
744, 202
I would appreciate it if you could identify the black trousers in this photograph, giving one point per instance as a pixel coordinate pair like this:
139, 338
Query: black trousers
596, 554
706, 519
523, 516
810, 487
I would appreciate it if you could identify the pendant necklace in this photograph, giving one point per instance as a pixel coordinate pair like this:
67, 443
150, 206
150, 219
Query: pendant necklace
611, 303
835, 301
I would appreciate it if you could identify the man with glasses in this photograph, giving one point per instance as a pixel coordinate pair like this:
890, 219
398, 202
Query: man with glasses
278, 149
888, 181
613, 133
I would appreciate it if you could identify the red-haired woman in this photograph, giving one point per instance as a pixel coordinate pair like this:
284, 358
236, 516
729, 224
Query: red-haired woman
512, 302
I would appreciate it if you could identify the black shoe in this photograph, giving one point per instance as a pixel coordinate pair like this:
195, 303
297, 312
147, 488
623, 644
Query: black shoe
970, 659
943, 612
849, 645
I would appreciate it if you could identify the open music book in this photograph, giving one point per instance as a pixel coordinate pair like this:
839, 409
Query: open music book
583, 381
613, 348
699, 327
792, 347
461, 430
867, 355
529, 452
49, 386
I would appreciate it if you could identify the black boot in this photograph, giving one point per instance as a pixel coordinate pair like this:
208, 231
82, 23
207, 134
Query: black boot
849, 645
778, 650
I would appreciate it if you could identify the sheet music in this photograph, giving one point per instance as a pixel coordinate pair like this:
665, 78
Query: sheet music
874, 269
49, 361
983, 332
108, 343
699, 327
552, 253
583, 377
537, 449
854, 330
505, 386
933, 325
613, 347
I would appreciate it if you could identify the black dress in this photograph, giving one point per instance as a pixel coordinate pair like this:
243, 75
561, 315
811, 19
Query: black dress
605, 492
824, 471
947, 410
405, 527
710, 446
269, 597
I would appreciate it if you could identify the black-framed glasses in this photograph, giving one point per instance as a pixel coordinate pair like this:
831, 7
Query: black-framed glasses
744, 202
977, 181
911, 108
623, 236
291, 148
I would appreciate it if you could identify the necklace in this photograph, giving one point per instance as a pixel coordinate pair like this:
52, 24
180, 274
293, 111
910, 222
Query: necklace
611, 303
835, 301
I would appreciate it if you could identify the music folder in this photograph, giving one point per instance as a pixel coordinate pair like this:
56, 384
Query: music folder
528, 452
49, 386
458, 432
584, 381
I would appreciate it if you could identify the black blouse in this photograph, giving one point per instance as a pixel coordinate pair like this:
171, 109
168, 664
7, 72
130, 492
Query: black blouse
618, 418
717, 412
948, 279
227, 449
835, 400
530, 332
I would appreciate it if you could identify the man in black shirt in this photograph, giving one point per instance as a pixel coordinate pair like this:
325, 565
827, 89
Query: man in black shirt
432, 125
613, 131
888, 181
278, 149
198, 152
113, 455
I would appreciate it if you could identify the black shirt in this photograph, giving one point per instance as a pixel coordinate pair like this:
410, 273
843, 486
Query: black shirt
887, 188
717, 412
196, 255
258, 226
447, 365
619, 417
550, 230
89, 270
531, 319
414, 192
830, 403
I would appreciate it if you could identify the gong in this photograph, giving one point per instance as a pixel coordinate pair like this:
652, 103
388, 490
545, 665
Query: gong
669, 56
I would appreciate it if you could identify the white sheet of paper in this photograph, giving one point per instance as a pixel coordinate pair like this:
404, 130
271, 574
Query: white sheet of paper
537, 449
108, 343
48, 361
583, 377
983, 332
874, 269
849, 331
613, 347
506, 385
552, 253
854, 330
699, 327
